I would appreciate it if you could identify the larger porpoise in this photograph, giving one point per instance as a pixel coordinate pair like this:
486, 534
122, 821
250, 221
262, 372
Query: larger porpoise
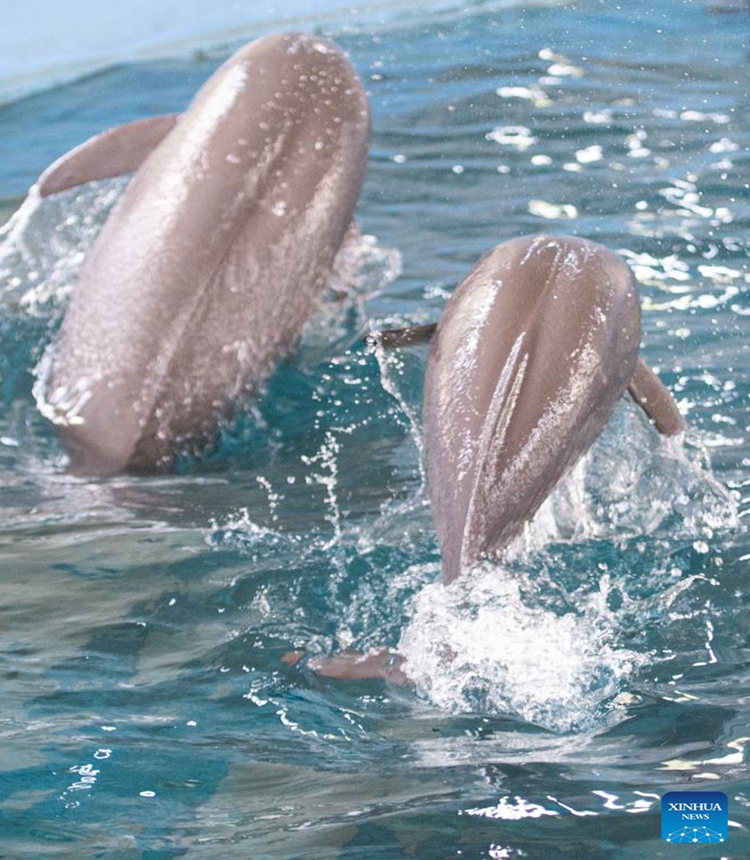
214, 257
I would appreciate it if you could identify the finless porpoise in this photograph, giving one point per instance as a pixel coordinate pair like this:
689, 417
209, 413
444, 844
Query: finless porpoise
213, 258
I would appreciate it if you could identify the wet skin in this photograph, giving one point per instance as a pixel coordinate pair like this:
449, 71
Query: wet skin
530, 356
172, 323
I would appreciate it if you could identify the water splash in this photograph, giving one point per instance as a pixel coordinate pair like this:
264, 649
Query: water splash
326, 474
239, 532
548, 636
362, 269
568, 622
45, 243
402, 375
651, 486
481, 643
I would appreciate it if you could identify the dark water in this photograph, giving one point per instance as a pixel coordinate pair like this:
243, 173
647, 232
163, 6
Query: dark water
145, 712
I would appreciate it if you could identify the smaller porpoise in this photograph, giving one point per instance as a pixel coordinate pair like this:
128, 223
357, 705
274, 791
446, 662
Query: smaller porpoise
531, 354
213, 258
529, 358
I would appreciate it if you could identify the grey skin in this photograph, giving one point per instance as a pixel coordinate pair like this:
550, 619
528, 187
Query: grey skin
529, 358
215, 255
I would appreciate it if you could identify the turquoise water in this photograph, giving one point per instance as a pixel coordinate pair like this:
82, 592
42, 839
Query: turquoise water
145, 711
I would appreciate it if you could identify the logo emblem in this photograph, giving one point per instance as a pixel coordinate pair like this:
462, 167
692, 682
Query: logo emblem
689, 817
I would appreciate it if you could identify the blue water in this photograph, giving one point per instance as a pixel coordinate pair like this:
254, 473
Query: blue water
145, 711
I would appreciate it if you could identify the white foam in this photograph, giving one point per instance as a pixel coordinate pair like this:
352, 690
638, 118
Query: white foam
481, 643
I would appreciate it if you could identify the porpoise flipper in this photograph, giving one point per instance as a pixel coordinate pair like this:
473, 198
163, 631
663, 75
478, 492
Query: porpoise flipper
392, 338
648, 391
113, 152
353, 665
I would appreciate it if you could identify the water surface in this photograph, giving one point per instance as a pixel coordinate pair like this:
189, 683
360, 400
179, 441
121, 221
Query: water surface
145, 712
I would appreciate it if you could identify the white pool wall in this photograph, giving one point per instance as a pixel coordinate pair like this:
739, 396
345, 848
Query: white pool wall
48, 42
44, 42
